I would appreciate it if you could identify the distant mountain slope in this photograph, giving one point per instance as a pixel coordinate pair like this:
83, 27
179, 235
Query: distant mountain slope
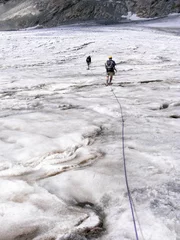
15, 14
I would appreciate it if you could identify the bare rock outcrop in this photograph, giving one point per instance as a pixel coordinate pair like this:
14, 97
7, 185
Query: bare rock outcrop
16, 14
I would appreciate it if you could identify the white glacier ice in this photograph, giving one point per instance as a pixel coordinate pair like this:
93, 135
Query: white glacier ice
61, 165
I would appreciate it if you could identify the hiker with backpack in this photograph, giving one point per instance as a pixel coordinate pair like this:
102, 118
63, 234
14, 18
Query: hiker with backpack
88, 61
110, 69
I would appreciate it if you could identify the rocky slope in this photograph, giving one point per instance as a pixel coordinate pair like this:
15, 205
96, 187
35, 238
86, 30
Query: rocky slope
15, 14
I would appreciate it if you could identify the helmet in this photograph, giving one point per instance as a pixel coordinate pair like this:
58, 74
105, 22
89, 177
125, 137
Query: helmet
110, 57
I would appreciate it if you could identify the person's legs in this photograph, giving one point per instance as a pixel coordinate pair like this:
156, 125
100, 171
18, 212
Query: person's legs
111, 77
107, 79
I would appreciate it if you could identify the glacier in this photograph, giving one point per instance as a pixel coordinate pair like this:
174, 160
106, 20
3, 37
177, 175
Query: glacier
61, 162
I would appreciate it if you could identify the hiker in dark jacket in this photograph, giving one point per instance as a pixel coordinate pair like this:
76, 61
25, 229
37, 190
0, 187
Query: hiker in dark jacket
88, 61
110, 69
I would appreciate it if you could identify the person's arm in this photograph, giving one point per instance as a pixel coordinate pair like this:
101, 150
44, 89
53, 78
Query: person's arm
115, 67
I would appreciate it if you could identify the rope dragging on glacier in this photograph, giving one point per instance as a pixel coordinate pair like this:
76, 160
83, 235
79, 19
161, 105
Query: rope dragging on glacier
125, 169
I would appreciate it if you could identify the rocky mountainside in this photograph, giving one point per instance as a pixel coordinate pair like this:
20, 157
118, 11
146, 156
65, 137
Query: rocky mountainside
15, 14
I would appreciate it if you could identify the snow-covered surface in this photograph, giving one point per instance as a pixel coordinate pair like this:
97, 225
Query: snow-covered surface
61, 166
173, 21
133, 17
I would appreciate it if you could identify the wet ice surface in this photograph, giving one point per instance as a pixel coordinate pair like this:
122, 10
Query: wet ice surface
61, 165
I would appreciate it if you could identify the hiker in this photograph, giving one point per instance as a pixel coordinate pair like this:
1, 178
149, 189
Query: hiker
88, 60
110, 69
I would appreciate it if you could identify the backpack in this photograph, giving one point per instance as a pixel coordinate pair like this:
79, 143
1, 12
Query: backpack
110, 64
88, 59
